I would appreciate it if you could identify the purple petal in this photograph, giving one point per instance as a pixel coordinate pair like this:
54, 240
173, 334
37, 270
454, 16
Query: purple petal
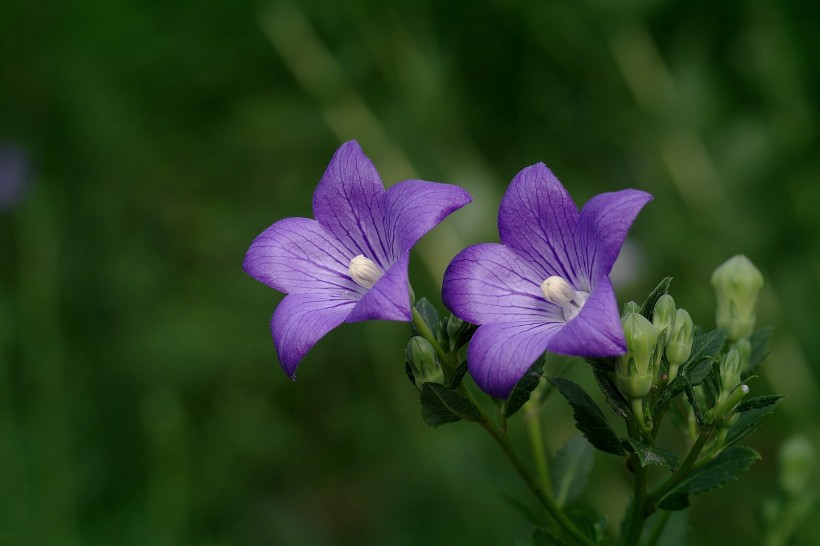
300, 321
500, 353
596, 331
602, 228
414, 207
299, 255
389, 299
537, 218
348, 203
490, 282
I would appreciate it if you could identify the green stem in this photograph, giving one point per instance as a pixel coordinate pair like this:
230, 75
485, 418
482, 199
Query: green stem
538, 452
637, 519
424, 330
657, 529
684, 469
566, 524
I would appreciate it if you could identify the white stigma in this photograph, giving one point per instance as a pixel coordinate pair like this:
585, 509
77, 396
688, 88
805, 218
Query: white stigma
558, 291
364, 271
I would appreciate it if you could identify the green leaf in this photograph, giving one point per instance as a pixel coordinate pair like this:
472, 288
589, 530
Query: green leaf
712, 475
649, 305
542, 537
571, 468
759, 341
707, 346
521, 392
690, 375
429, 315
651, 454
594, 530
697, 407
601, 369
759, 402
458, 375
747, 422
440, 405
589, 418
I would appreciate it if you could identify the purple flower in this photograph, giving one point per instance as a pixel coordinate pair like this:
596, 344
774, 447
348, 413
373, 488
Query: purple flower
546, 287
350, 264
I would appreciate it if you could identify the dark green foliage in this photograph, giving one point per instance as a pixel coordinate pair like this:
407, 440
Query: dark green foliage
759, 402
759, 341
654, 296
589, 418
429, 314
543, 537
521, 392
747, 422
458, 375
440, 405
712, 475
651, 455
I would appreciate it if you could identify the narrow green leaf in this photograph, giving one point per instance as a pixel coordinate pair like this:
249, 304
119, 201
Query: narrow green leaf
571, 468
690, 375
458, 375
712, 475
649, 304
589, 418
707, 346
601, 369
697, 407
759, 341
542, 537
651, 454
430, 316
593, 530
521, 392
747, 422
759, 402
440, 405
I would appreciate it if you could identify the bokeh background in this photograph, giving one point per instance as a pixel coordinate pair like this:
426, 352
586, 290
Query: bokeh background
146, 144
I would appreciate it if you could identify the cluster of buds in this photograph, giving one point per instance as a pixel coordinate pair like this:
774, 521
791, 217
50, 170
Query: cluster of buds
680, 332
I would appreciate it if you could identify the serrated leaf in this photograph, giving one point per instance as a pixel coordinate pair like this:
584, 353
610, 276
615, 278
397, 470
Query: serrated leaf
651, 454
759, 402
429, 315
759, 341
522, 390
542, 537
571, 468
697, 407
440, 405
649, 304
458, 376
707, 346
601, 369
747, 422
589, 418
712, 475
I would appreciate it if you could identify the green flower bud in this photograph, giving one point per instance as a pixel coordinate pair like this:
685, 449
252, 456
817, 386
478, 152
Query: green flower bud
737, 284
679, 342
423, 361
796, 464
663, 316
744, 349
730, 371
631, 307
633, 374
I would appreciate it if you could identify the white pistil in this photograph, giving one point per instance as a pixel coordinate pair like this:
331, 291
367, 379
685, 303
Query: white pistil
558, 291
364, 271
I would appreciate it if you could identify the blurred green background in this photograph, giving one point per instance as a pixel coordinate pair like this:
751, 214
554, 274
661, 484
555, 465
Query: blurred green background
141, 401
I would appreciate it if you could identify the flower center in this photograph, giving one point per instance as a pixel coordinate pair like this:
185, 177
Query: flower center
559, 292
364, 271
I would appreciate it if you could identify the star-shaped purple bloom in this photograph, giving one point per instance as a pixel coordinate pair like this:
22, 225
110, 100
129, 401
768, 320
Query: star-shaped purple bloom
546, 287
350, 264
